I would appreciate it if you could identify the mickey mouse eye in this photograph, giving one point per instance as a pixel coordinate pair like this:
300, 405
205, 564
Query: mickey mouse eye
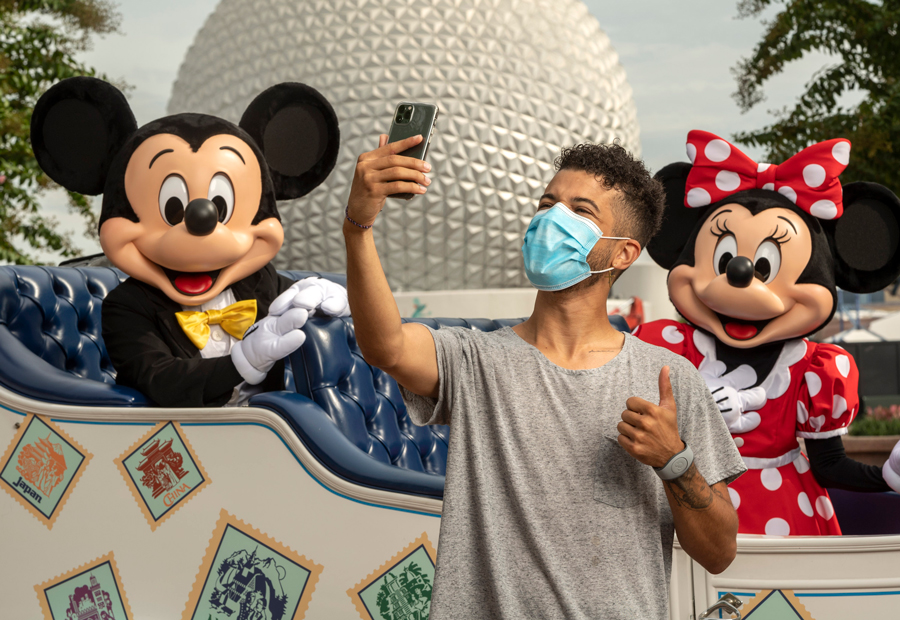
221, 193
767, 261
173, 196
726, 249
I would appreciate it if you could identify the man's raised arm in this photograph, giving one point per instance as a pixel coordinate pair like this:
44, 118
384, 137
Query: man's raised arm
404, 351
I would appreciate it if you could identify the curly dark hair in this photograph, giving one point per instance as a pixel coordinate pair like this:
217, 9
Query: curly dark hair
639, 209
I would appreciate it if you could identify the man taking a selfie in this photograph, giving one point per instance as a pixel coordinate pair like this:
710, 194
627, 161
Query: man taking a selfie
576, 451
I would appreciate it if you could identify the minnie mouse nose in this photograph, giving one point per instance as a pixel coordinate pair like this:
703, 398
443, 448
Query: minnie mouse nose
739, 271
201, 217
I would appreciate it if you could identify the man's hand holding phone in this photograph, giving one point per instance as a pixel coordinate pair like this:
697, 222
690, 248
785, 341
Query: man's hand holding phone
381, 173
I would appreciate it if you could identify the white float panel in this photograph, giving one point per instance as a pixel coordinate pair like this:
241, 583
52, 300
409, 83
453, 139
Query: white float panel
255, 476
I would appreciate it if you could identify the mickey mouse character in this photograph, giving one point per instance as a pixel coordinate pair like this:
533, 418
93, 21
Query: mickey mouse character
754, 252
189, 213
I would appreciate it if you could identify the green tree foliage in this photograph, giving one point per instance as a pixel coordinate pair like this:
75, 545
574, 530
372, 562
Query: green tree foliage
39, 41
861, 36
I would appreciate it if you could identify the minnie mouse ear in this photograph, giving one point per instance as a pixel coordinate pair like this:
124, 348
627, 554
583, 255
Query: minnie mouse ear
866, 238
297, 130
77, 128
678, 220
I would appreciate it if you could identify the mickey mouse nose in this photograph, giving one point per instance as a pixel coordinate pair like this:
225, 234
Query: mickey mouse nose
201, 217
739, 272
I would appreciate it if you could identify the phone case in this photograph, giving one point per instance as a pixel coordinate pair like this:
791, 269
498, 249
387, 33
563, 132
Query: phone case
422, 122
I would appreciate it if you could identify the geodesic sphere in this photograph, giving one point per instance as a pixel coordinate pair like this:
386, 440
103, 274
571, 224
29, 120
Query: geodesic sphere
515, 81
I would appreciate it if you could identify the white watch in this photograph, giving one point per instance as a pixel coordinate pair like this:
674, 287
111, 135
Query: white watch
677, 465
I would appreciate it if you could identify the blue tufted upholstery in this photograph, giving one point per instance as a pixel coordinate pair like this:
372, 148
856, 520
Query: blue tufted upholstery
50, 336
365, 402
349, 414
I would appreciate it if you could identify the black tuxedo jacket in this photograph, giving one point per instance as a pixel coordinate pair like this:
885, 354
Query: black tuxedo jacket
152, 354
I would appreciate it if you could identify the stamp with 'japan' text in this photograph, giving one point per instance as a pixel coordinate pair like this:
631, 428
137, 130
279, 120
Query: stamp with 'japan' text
41, 467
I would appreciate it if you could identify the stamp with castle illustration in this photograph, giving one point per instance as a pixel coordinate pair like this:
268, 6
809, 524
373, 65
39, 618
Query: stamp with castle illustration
162, 471
400, 589
93, 590
248, 574
41, 467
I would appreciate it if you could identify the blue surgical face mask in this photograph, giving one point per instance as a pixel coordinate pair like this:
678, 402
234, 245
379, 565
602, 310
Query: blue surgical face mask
556, 247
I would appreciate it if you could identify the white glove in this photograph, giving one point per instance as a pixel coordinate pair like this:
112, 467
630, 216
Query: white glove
267, 341
891, 469
313, 294
737, 402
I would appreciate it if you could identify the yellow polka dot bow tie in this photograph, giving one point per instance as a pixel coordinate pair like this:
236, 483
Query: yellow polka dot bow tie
234, 319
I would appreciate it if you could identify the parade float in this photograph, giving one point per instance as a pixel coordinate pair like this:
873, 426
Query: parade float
321, 499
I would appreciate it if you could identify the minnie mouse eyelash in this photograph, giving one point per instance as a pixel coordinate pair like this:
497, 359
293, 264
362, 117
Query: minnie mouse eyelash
721, 229
781, 239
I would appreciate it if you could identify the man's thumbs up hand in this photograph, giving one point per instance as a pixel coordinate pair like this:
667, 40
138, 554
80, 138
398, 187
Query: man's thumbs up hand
666, 397
649, 432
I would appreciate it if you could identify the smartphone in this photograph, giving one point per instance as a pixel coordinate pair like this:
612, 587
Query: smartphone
412, 119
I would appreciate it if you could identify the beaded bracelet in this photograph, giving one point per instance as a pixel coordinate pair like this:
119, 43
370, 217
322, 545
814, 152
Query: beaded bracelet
351, 220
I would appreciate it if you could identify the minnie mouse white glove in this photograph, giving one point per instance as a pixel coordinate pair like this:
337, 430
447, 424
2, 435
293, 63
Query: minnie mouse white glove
737, 402
313, 294
267, 341
891, 469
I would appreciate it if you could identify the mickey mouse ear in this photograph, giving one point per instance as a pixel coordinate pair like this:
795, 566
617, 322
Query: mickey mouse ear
297, 130
866, 238
77, 128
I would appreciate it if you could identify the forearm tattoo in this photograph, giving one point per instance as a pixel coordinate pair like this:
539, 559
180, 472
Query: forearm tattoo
691, 491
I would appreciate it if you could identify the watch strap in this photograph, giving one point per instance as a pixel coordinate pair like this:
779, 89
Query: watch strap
677, 465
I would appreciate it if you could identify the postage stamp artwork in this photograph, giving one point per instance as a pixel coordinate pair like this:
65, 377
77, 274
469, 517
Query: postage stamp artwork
92, 591
162, 471
41, 466
401, 588
250, 576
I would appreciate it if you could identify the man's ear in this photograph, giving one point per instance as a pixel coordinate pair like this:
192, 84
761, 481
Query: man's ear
678, 221
865, 240
297, 130
77, 128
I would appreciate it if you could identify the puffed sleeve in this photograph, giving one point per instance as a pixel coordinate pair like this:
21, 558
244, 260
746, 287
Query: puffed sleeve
671, 335
829, 398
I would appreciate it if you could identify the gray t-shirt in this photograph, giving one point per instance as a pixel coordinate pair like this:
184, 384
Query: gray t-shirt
545, 515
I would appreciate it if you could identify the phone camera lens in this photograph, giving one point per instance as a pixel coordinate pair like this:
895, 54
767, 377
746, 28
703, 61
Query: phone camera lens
404, 114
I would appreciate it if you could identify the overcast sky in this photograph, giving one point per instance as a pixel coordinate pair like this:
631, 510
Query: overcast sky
677, 55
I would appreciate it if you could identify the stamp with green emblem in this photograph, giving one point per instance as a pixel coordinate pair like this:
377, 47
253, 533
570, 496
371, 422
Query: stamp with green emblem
401, 588
41, 467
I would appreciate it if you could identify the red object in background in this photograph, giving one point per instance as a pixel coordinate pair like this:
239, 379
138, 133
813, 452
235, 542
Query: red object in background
635, 315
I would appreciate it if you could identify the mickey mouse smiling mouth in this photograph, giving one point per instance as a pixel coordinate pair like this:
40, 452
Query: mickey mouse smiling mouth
197, 229
195, 283
741, 287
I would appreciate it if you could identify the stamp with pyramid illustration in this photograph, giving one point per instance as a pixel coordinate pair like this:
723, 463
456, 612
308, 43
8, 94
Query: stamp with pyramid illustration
775, 605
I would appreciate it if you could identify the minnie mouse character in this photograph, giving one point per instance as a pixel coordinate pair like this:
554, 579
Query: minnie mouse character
189, 213
754, 252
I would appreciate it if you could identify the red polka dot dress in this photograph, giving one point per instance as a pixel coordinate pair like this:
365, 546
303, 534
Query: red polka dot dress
811, 392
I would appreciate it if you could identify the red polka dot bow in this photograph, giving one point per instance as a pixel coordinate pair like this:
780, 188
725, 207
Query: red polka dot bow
809, 178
